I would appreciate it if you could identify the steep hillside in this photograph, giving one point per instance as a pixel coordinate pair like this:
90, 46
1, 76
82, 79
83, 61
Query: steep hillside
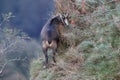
93, 43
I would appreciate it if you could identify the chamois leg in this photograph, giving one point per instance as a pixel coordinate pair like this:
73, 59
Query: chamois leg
46, 57
54, 52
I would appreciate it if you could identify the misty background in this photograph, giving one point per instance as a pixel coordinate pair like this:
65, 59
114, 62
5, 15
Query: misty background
16, 50
30, 15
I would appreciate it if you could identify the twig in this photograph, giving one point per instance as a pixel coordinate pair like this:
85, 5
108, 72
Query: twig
6, 48
2, 23
12, 60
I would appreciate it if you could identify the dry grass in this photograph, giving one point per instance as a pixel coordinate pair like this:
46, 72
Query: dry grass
88, 50
67, 67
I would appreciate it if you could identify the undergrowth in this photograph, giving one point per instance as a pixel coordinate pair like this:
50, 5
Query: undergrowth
93, 43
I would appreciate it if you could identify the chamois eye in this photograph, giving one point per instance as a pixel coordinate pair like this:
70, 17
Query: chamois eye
63, 17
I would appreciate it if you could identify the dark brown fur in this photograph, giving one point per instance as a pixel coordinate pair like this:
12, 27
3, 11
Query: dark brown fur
50, 36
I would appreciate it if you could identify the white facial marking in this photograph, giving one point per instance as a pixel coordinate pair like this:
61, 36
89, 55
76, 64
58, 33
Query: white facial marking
66, 22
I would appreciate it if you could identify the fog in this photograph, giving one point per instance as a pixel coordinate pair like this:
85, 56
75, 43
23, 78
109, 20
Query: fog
30, 15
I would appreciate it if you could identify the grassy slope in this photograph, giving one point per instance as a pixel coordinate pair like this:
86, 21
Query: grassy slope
94, 47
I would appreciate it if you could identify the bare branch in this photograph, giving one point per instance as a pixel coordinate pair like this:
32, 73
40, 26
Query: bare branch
5, 48
12, 60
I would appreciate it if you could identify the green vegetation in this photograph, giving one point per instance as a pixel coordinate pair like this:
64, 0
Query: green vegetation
93, 51
17, 50
89, 48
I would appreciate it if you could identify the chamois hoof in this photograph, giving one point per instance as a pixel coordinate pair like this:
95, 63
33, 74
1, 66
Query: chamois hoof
45, 66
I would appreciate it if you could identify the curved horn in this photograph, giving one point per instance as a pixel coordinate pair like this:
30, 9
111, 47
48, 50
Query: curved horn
66, 15
60, 15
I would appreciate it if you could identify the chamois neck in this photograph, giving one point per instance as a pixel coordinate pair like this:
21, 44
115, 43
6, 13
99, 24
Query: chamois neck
55, 21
